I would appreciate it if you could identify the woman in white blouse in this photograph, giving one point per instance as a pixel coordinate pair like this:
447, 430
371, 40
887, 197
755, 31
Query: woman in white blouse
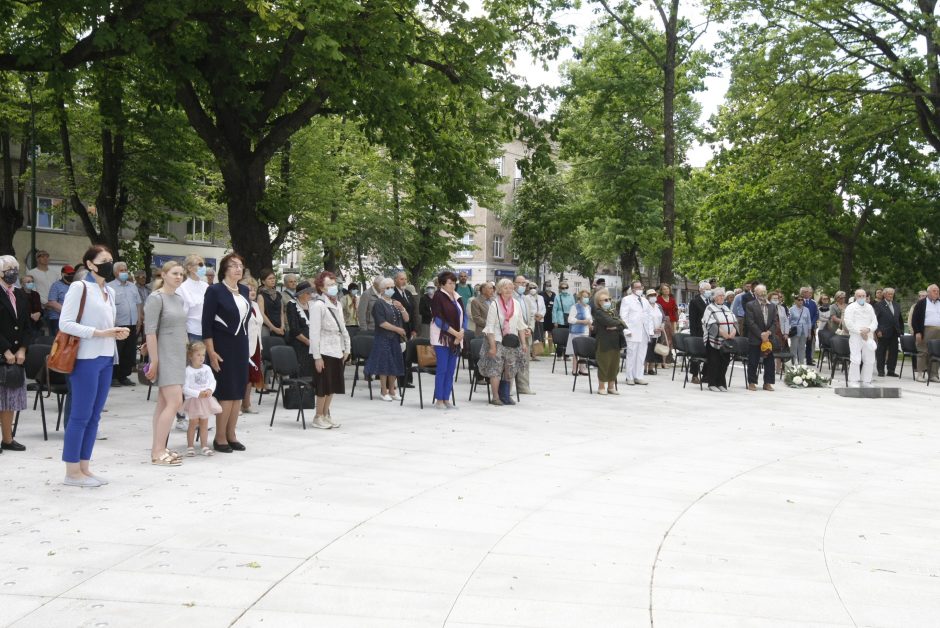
255, 376
91, 378
329, 346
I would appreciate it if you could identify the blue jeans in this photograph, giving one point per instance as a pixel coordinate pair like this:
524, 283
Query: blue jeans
444, 379
90, 383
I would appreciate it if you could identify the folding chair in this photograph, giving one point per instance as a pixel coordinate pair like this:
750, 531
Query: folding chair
694, 348
560, 339
841, 354
359, 353
585, 351
287, 368
411, 358
909, 348
266, 343
35, 366
473, 364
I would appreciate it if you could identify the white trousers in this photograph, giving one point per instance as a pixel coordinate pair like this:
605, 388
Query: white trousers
862, 360
636, 358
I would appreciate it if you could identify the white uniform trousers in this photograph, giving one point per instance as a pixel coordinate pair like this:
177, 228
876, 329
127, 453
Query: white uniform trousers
862, 360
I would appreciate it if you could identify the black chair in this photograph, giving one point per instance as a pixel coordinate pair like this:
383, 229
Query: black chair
825, 346
287, 369
784, 356
841, 354
694, 348
933, 355
468, 337
678, 343
585, 352
411, 364
560, 339
473, 364
43, 340
359, 353
739, 353
266, 343
35, 365
909, 348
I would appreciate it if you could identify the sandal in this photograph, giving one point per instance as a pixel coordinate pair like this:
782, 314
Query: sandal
166, 460
190, 452
207, 452
175, 454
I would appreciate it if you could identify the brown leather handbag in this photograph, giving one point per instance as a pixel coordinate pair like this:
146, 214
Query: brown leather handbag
64, 350
427, 358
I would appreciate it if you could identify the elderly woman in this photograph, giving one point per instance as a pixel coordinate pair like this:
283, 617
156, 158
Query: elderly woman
801, 322
165, 334
825, 304
719, 325
350, 304
272, 305
225, 315
580, 320
659, 317
536, 304
16, 333
329, 346
386, 360
35, 302
255, 376
671, 309
447, 330
502, 355
609, 332
298, 325
836, 310
90, 380
289, 293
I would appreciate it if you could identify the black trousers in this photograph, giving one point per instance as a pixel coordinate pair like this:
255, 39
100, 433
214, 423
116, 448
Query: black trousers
887, 353
694, 368
753, 359
716, 366
127, 353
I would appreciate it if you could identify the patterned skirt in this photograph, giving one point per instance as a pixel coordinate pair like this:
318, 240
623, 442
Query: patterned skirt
505, 365
13, 399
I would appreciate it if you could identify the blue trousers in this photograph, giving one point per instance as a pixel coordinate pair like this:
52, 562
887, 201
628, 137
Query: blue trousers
444, 379
90, 383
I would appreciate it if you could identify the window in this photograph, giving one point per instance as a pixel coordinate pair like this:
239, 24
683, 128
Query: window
199, 230
498, 246
49, 213
471, 207
498, 162
161, 231
467, 241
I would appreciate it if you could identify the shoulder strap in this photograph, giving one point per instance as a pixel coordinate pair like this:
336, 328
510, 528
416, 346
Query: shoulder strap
81, 304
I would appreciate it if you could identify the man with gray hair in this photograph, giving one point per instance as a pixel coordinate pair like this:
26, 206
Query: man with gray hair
890, 328
697, 307
861, 322
760, 320
925, 321
369, 297
129, 313
289, 293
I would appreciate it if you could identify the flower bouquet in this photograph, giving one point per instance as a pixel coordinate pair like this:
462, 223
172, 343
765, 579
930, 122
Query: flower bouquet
802, 376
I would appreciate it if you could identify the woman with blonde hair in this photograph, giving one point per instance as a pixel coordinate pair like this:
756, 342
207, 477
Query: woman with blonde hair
609, 332
502, 355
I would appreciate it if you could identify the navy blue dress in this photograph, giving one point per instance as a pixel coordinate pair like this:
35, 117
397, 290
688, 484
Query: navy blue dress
228, 331
386, 357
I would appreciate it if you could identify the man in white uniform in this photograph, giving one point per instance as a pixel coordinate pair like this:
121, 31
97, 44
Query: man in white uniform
861, 321
637, 313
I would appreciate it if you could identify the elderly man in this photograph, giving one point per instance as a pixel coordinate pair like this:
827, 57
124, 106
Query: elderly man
480, 306
289, 293
412, 325
637, 312
210, 275
861, 322
760, 320
140, 278
890, 328
366, 302
696, 311
130, 314
528, 316
925, 321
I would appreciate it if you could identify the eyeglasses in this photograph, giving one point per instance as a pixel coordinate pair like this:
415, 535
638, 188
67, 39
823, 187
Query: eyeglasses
605, 300
236, 265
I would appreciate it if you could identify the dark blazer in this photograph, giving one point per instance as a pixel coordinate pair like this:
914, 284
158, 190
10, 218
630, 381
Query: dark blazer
410, 302
220, 314
296, 326
696, 312
15, 327
889, 325
754, 324
918, 316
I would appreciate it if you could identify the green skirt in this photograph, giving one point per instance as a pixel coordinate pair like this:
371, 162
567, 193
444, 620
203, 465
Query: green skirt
608, 364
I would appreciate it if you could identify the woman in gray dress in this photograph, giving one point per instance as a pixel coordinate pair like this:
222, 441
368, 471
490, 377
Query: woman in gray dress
165, 327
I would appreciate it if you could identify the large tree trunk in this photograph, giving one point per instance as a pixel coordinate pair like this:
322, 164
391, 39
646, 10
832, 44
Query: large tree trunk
11, 216
669, 148
251, 237
331, 253
847, 266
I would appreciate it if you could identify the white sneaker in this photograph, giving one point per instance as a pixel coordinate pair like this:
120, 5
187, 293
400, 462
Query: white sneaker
85, 482
387, 398
182, 424
332, 423
320, 422
640, 382
396, 396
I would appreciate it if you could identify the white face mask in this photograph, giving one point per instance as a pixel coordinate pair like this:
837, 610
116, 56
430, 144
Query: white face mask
652, 300
638, 293
533, 292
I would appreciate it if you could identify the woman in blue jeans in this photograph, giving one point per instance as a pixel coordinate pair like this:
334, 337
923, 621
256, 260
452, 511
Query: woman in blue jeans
90, 381
446, 337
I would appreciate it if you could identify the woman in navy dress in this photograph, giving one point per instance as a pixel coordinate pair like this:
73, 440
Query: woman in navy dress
386, 359
225, 314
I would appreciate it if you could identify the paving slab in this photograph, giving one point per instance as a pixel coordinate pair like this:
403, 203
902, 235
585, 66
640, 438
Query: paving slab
664, 507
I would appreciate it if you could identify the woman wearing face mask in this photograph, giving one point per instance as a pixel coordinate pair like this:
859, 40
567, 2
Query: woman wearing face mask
653, 360
272, 305
836, 310
580, 320
802, 323
447, 330
35, 303
671, 310
193, 293
350, 302
386, 360
329, 346
536, 305
90, 380
16, 334
719, 326
563, 304
165, 335
609, 330
498, 362
298, 325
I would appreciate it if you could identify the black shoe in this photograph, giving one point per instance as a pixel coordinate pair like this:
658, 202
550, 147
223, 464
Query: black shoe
225, 449
116, 383
126, 381
234, 444
12, 446
408, 386
893, 375
881, 374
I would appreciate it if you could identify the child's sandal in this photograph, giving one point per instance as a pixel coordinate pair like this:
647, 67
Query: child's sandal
190, 452
206, 451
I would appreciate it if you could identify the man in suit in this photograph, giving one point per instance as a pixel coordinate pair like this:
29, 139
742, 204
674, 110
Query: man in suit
637, 313
890, 327
410, 303
760, 319
696, 311
925, 321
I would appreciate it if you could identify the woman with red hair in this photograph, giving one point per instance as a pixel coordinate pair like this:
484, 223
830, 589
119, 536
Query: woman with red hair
329, 346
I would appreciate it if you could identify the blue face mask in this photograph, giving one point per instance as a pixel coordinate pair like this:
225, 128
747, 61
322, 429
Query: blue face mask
520, 289
332, 291
860, 301
123, 276
30, 286
201, 271
389, 292
608, 305
355, 293
585, 300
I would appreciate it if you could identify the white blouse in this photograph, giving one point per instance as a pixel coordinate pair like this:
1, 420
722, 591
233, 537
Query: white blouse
98, 314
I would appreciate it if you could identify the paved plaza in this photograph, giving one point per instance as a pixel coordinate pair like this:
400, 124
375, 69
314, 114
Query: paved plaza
663, 507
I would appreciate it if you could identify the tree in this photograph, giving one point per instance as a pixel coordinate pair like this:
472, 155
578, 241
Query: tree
14, 125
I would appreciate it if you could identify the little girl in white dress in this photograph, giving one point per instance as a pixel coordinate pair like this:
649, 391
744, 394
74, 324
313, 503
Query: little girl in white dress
199, 403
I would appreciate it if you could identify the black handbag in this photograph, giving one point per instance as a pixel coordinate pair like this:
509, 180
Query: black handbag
12, 376
293, 398
511, 341
793, 331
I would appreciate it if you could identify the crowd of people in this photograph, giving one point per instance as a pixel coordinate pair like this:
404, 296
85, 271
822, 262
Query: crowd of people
197, 337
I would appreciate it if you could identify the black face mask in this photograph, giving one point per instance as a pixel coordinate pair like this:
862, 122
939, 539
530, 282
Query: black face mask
68, 278
10, 277
105, 270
